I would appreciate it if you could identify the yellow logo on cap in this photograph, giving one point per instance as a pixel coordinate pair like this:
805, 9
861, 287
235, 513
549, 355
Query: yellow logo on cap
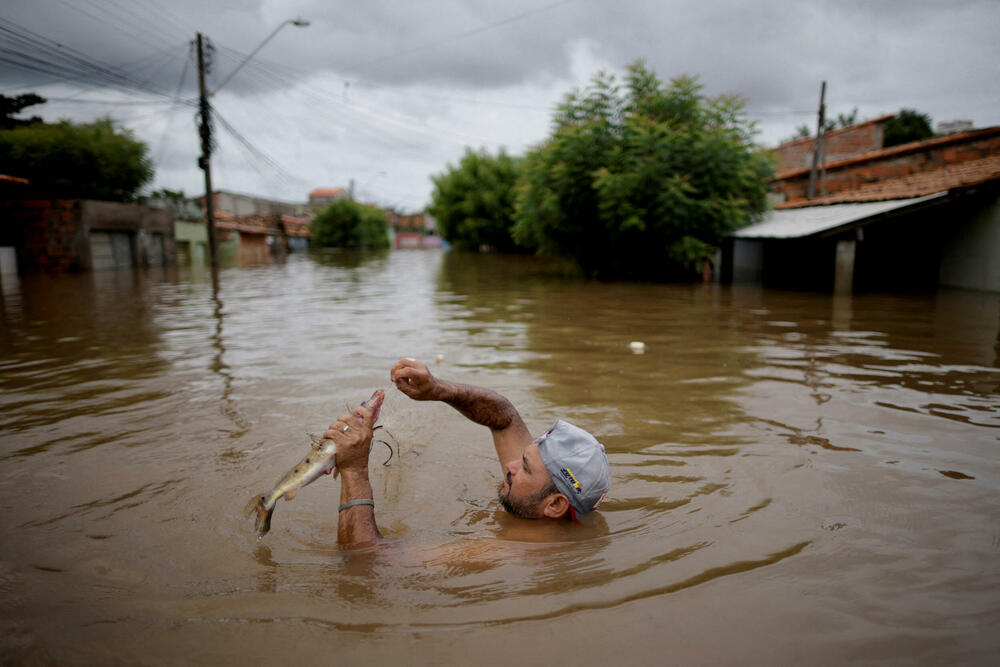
568, 474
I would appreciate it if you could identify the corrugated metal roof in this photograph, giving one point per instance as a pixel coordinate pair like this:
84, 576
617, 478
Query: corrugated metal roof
798, 222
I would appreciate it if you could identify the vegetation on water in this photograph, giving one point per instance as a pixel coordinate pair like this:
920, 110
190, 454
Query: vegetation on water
349, 224
72, 160
473, 202
639, 180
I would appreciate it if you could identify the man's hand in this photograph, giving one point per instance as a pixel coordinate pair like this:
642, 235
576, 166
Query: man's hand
414, 379
353, 435
356, 525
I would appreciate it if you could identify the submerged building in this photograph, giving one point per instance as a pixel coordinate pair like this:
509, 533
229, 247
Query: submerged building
907, 218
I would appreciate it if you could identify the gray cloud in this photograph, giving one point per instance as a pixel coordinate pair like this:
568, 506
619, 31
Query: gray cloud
402, 87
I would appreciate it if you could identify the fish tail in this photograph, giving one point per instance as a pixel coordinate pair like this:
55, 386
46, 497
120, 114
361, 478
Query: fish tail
262, 520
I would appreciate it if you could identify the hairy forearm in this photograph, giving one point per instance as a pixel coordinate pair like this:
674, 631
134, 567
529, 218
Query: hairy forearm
356, 525
482, 406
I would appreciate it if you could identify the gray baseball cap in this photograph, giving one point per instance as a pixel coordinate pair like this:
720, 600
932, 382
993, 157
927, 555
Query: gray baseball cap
577, 463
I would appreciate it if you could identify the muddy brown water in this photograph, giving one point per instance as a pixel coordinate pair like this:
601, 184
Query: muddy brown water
796, 478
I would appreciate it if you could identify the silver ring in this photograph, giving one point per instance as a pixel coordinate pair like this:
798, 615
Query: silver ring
345, 428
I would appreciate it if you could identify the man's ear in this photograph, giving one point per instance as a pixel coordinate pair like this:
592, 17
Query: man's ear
555, 506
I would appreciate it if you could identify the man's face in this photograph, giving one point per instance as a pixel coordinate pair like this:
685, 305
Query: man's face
526, 485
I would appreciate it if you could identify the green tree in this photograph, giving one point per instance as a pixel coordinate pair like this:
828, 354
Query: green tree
641, 182
9, 106
473, 202
906, 126
87, 161
349, 224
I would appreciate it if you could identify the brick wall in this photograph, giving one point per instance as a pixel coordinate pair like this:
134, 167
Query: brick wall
889, 163
841, 144
45, 232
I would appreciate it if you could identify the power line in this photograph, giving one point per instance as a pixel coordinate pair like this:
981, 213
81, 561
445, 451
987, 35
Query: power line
461, 35
253, 150
48, 56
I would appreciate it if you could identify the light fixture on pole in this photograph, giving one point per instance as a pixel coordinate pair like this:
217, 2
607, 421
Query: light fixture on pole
205, 127
300, 22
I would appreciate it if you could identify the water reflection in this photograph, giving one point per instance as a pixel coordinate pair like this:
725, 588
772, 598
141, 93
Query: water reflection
768, 447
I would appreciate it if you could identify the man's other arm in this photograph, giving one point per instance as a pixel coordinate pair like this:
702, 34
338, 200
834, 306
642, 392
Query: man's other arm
482, 406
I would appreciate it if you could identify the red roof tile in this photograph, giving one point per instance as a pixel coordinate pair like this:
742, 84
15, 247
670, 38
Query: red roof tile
326, 192
913, 146
962, 175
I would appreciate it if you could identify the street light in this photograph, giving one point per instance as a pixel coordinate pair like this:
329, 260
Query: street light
300, 22
205, 129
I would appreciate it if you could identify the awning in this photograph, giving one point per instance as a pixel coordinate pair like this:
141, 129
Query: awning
792, 223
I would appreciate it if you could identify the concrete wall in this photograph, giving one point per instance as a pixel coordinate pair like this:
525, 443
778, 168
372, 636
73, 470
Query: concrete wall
970, 257
192, 242
144, 223
748, 261
247, 205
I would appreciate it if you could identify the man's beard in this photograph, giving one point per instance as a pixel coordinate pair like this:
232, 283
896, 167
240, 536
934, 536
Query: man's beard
525, 508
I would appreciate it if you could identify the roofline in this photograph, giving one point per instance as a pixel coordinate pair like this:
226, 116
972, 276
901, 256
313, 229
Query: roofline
902, 149
201, 197
929, 201
839, 130
925, 201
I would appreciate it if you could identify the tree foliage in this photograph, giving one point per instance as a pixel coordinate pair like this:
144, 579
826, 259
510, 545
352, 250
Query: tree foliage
908, 125
641, 181
473, 202
86, 161
10, 106
349, 224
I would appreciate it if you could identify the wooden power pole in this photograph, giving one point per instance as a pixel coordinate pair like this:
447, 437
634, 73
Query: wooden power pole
820, 139
204, 162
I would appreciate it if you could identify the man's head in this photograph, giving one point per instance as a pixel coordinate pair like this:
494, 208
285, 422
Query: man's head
564, 470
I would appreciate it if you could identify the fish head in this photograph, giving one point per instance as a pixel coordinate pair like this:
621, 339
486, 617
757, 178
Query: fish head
374, 404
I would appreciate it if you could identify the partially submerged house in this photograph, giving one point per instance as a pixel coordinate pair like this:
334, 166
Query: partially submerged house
253, 230
908, 218
61, 235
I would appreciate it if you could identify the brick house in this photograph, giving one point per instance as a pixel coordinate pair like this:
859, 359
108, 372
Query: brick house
907, 218
320, 198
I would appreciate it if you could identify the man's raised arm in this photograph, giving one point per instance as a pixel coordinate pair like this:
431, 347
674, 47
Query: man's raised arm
483, 406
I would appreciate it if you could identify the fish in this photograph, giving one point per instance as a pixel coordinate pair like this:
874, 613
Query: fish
321, 460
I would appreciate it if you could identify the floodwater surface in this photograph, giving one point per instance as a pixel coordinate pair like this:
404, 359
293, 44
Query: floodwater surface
796, 477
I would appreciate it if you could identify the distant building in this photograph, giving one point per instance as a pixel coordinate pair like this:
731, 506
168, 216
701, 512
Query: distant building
236, 203
413, 231
323, 197
953, 126
190, 233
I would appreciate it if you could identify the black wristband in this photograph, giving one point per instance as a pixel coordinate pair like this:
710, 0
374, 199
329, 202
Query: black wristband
358, 501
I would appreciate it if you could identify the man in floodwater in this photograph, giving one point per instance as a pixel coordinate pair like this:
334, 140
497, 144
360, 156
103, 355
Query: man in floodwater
560, 475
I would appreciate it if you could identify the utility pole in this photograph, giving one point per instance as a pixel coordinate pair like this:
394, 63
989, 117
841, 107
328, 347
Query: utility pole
820, 141
204, 162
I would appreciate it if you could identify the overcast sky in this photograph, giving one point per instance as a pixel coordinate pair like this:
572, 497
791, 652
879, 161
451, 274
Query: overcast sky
388, 93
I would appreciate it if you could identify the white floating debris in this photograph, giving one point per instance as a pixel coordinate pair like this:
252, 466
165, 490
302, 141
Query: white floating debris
637, 347
438, 358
